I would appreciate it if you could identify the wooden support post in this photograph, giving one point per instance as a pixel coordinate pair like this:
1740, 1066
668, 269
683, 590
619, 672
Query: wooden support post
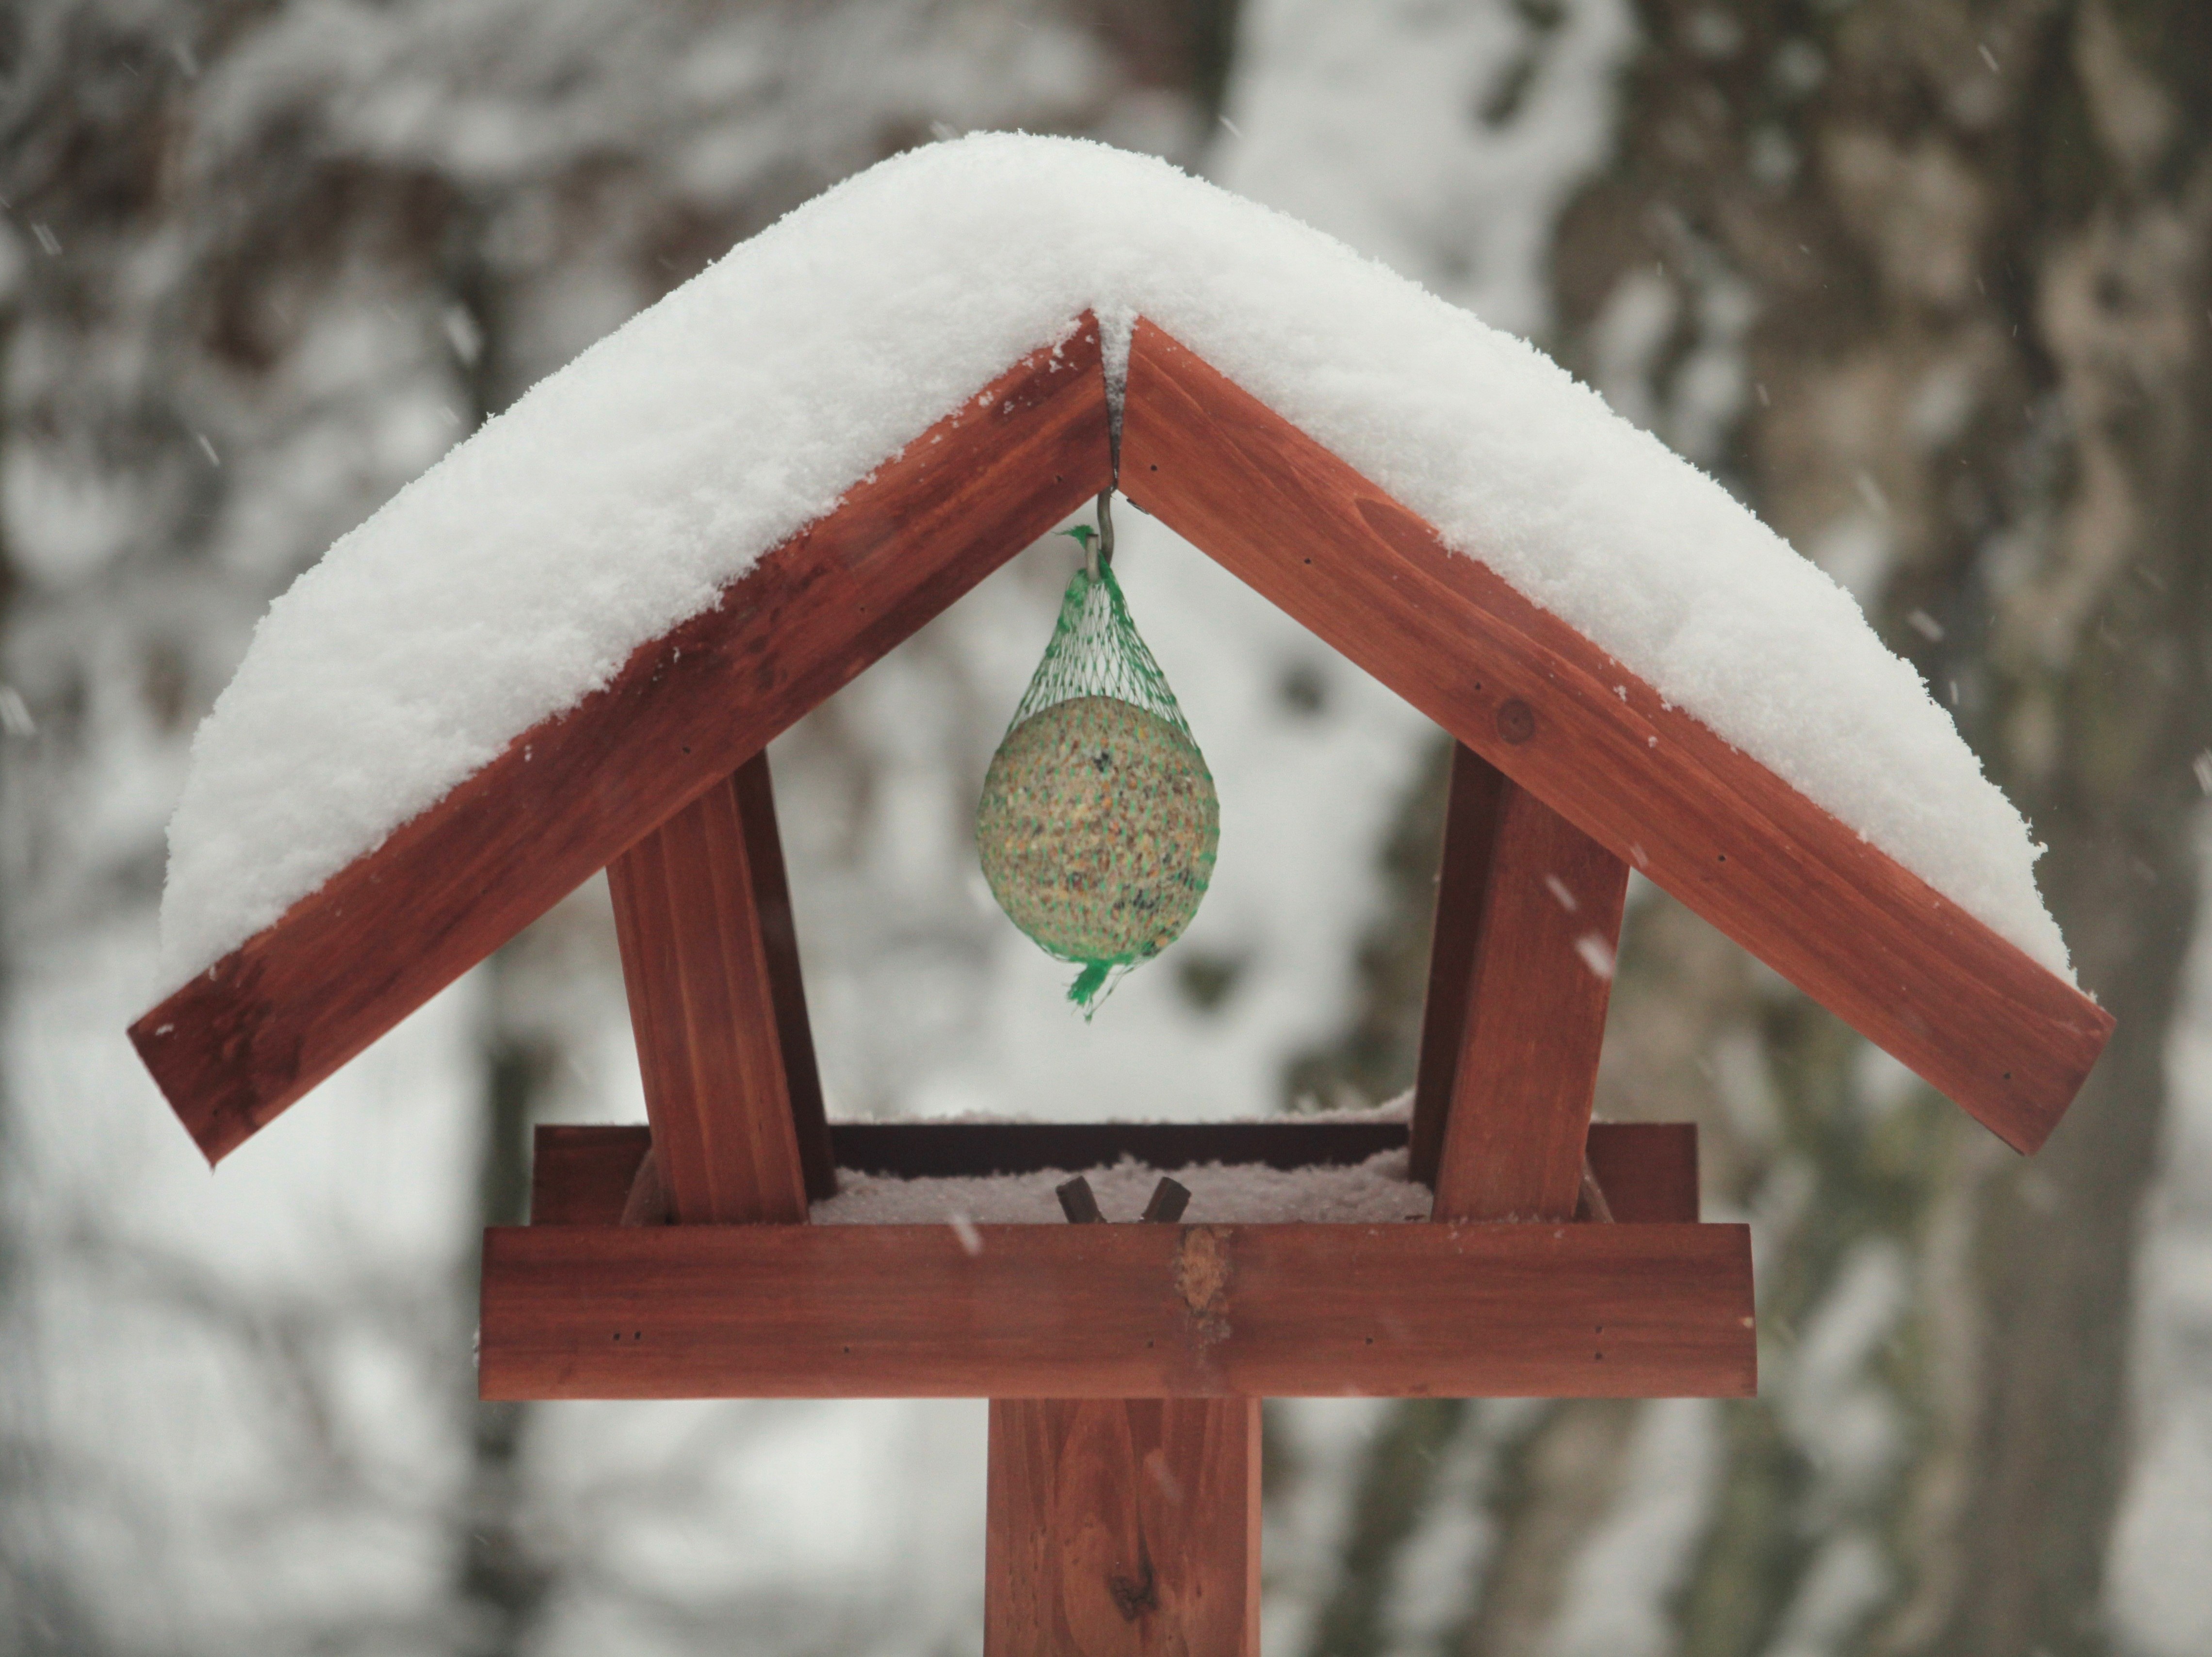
1123, 1527
1476, 791
779, 933
713, 1025
1538, 919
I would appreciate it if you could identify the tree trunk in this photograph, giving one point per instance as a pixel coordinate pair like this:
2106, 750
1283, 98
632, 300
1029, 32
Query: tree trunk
1961, 251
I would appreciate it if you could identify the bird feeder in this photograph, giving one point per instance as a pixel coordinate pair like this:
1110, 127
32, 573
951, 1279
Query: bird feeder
1124, 1361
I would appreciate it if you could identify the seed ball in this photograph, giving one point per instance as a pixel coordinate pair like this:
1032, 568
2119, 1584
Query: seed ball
1098, 828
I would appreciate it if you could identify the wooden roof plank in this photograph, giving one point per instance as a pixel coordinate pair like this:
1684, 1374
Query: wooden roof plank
1117, 1311
243, 1040
1910, 969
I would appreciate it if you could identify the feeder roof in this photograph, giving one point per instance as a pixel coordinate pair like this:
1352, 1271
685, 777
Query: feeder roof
624, 493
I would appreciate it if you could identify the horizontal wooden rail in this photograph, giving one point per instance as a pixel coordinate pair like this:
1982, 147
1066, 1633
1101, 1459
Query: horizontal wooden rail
1856, 931
1117, 1311
581, 1175
245, 1038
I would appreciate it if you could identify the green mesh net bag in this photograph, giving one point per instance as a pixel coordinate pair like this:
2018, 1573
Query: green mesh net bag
1099, 821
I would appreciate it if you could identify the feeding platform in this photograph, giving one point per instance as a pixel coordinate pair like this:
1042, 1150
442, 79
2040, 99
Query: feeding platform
1553, 1255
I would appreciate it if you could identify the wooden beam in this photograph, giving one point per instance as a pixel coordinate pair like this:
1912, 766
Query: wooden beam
1592, 1205
242, 1041
1123, 1527
1907, 967
1648, 1170
1536, 989
779, 936
1117, 1311
724, 1141
1475, 797
581, 1175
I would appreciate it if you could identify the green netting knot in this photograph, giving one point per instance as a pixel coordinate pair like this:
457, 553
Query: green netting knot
1098, 822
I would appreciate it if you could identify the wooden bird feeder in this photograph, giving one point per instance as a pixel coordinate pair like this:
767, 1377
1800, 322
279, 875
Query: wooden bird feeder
1124, 1361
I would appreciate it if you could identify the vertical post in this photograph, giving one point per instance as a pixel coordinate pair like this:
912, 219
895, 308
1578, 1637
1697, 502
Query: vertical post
703, 914
1476, 794
1522, 968
1123, 1527
786, 991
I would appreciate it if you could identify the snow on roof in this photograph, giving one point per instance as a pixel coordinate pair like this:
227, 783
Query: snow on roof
613, 501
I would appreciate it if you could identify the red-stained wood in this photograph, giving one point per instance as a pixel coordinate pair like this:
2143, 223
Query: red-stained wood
1475, 796
1648, 1170
1536, 995
779, 936
724, 1146
1591, 1206
581, 1175
1122, 1527
648, 1201
240, 1042
1117, 1311
1908, 967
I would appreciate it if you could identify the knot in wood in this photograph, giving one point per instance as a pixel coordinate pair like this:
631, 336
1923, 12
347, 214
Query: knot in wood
1132, 1597
1201, 1270
1516, 722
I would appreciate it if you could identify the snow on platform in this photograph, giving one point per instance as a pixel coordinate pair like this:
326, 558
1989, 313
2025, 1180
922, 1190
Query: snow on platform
620, 494
1236, 1193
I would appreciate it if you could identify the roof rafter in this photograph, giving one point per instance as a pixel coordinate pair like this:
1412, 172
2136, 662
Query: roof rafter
1910, 969
242, 1041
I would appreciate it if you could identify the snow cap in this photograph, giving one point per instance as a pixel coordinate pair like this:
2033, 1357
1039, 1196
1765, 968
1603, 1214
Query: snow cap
615, 500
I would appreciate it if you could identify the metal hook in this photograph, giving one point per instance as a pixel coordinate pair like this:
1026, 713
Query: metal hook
1105, 526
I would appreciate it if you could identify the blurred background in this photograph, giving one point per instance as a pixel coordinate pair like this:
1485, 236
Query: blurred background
1927, 282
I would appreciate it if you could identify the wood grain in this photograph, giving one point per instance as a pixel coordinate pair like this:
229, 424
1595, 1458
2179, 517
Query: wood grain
583, 1175
580, 1176
1536, 994
779, 935
1116, 1311
704, 1016
1472, 804
1122, 1527
246, 1038
1648, 1170
1905, 966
